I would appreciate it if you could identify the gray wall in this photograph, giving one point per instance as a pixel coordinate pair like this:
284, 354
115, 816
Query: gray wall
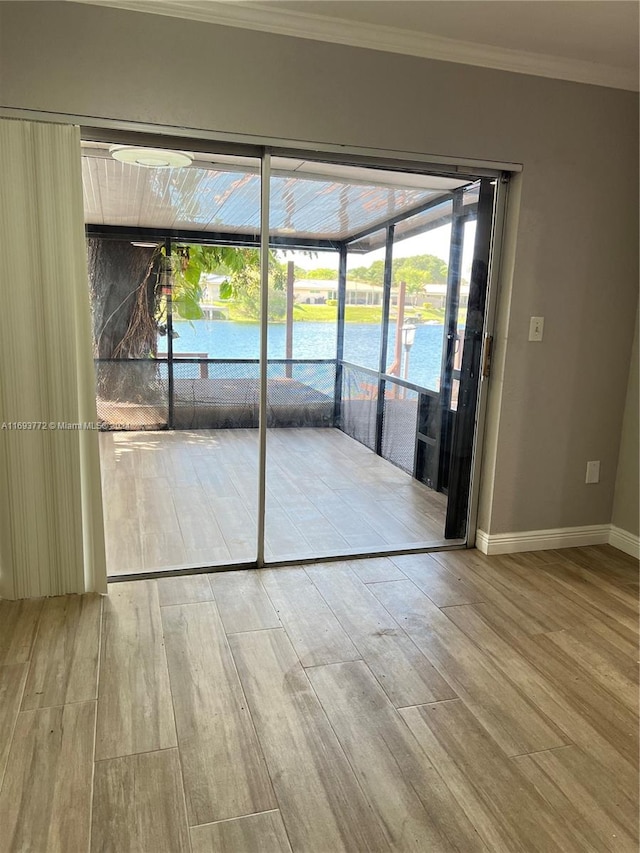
573, 241
626, 507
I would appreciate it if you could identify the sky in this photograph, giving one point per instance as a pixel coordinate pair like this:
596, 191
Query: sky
434, 242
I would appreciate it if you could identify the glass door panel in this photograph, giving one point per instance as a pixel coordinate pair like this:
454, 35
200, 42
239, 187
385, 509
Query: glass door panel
173, 243
350, 458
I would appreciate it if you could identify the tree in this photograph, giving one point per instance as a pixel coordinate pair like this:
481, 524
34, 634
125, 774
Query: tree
320, 274
434, 268
417, 271
123, 281
414, 281
246, 293
129, 308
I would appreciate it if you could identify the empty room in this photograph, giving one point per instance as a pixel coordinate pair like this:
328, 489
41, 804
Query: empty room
319, 452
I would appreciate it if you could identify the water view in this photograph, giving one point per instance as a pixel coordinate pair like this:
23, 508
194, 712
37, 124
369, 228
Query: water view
226, 339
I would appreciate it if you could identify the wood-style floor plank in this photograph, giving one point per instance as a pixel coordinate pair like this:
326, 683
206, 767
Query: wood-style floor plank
256, 833
376, 569
123, 546
321, 803
195, 498
242, 602
123, 539
198, 526
577, 593
187, 589
608, 561
138, 805
417, 811
135, 711
544, 652
64, 664
441, 585
601, 662
584, 714
508, 814
285, 538
589, 800
238, 526
314, 631
45, 801
597, 705
406, 675
162, 550
155, 507
588, 586
222, 764
505, 711
527, 609
18, 625
12, 681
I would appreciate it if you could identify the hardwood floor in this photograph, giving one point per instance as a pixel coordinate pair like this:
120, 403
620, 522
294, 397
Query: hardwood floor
438, 702
189, 498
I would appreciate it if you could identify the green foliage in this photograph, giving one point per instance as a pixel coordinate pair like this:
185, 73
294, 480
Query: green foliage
416, 271
320, 274
246, 284
226, 290
422, 269
240, 266
190, 262
373, 274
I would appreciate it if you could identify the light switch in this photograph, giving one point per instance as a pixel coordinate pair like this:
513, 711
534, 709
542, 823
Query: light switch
536, 328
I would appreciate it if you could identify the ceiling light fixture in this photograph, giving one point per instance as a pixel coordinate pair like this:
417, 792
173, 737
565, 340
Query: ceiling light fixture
150, 158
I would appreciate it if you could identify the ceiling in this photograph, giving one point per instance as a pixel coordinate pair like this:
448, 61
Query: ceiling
588, 41
220, 194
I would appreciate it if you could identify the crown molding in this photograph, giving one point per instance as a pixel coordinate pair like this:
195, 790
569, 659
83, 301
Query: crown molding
265, 17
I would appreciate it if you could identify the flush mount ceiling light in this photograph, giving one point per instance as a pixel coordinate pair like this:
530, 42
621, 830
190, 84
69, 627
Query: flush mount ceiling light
151, 158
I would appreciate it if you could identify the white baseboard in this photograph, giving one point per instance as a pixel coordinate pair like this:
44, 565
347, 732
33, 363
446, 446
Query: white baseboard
625, 541
542, 540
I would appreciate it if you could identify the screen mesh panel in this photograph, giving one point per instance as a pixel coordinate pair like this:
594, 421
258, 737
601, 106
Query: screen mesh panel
297, 395
213, 394
399, 425
132, 394
359, 405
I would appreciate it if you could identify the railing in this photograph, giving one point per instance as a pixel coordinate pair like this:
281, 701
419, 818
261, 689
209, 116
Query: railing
200, 356
396, 418
213, 393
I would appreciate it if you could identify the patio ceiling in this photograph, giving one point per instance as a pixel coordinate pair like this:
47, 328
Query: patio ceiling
221, 194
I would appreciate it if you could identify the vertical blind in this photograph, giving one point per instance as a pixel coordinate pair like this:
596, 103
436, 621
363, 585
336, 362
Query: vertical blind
51, 526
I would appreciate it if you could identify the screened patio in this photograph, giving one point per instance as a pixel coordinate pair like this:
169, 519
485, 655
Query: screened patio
360, 458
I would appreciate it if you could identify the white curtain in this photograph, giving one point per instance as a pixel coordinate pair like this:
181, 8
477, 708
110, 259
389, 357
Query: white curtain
51, 527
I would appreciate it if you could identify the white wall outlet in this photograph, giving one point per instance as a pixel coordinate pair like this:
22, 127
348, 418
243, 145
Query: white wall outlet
593, 472
536, 328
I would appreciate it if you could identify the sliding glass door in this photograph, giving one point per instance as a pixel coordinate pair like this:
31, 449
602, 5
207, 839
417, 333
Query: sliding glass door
376, 302
288, 354
174, 272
